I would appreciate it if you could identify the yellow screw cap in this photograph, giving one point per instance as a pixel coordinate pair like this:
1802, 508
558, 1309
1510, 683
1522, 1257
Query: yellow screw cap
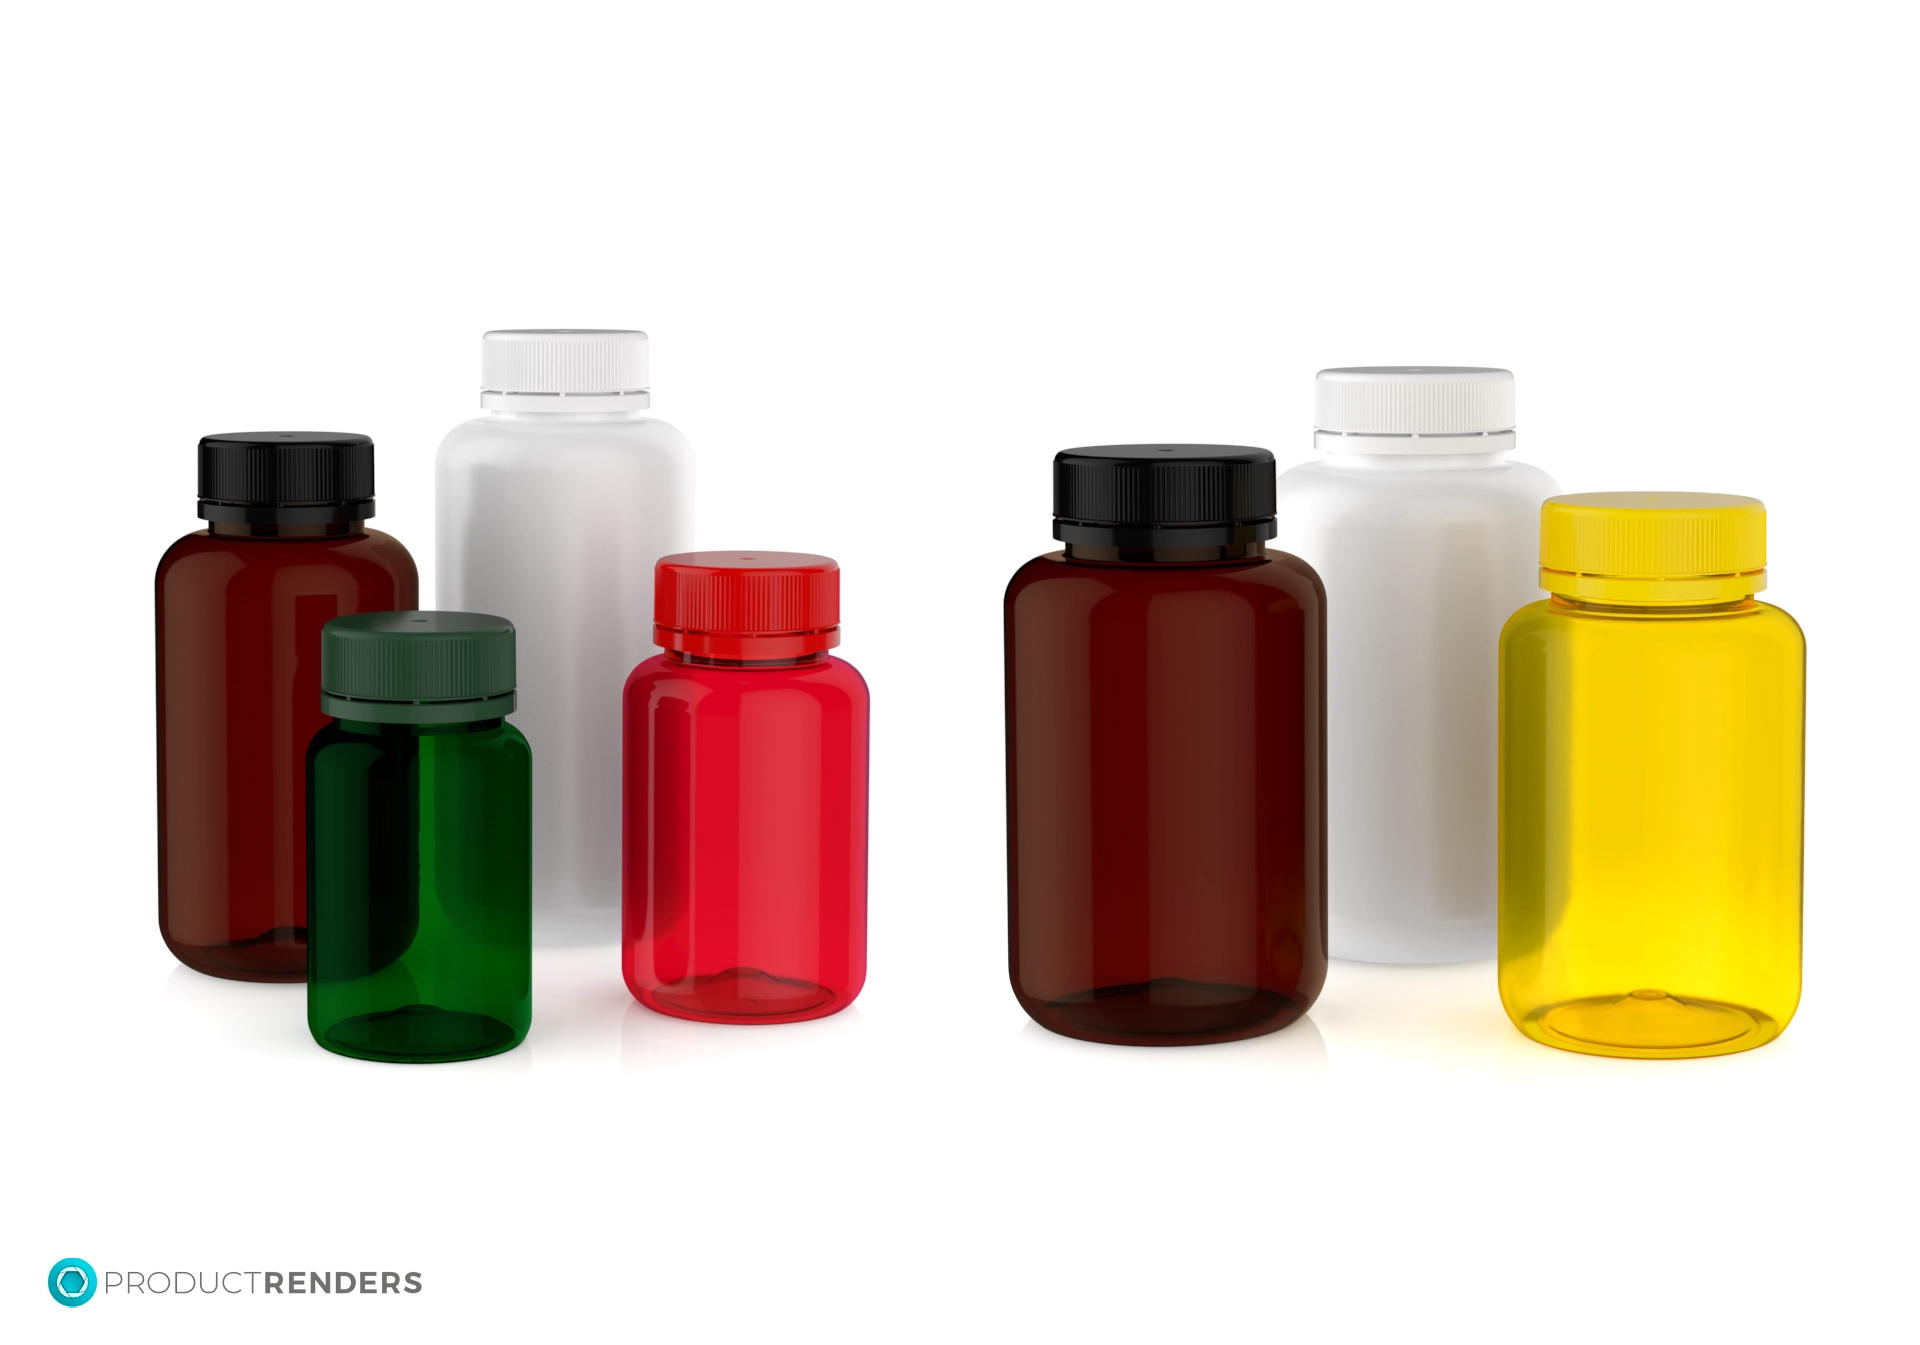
1653, 546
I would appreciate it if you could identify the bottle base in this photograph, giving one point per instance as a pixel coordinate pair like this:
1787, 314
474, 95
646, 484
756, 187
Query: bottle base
278, 955
1167, 1011
419, 1034
1650, 1024
742, 995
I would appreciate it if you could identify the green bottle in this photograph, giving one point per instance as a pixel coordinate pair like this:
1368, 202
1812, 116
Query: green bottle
419, 838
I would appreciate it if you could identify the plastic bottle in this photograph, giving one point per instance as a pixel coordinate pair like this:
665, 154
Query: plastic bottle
553, 508
420, 844
1165, 770
237, 615
746, 795
1650, 783
1424, 534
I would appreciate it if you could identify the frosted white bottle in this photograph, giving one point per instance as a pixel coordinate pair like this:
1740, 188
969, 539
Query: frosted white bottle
1427, 539
552, 509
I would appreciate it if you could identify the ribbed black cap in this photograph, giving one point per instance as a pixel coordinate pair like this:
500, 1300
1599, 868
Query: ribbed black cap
286, 476
1140, 494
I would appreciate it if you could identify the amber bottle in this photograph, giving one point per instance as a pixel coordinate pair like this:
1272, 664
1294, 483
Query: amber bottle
238, 611
1165, 769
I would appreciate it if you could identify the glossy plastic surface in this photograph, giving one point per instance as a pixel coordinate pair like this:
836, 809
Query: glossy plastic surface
1424, 557
237, 621
1650, 837
1165, 787
421, 890
554, 522
746, 838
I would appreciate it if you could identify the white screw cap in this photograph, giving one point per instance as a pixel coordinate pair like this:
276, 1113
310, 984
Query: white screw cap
1416, 408
563, 369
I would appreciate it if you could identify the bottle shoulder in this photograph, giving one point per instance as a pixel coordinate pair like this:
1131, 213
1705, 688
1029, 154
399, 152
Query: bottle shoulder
1325, 491
329, 736
382, 548
513, 743
1052, 577
489, 438
503, 740
831, 677
1533, 618
842, 674
203, 553
1776, 616
1762, 624
1779, 626
190, 548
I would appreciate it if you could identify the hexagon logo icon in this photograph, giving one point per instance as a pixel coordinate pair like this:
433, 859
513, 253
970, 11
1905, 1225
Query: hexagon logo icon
71, 1282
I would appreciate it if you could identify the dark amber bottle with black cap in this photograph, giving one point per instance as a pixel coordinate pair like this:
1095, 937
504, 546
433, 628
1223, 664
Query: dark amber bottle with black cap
238, 609
1166, 774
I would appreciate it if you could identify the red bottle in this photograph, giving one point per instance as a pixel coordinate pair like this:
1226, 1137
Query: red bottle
238, 610
1165, 771
745, 806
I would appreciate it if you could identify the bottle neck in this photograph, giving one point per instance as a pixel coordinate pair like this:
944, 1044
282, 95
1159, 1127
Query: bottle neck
1380, 452
1086, 554
1587, 606
1347, 460
746, 664
288, 532
523, 416
374, 730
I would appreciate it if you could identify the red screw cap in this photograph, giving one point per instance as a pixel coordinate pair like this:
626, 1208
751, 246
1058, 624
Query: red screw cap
746, 604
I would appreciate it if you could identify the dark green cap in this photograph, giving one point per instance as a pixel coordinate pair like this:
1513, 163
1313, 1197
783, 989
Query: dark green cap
417, 667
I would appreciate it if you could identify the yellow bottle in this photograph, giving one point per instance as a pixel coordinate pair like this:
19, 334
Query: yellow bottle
1650, 783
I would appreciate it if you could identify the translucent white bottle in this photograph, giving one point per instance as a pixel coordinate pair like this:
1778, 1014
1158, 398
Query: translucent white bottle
1427, 539
553, 508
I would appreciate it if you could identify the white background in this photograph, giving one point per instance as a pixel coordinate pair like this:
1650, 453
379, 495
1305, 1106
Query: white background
892, 257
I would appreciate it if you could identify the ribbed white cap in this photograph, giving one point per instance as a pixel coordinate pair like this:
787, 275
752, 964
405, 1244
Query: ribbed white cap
1413, 401
564, 369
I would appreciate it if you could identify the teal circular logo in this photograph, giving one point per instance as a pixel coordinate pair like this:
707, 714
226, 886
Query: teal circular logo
71, 1282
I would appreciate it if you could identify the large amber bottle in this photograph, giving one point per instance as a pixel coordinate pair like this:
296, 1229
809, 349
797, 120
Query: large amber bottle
237, 615
1166, 775
1651, 755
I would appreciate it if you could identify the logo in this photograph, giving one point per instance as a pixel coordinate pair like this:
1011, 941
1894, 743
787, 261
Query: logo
71, 1282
